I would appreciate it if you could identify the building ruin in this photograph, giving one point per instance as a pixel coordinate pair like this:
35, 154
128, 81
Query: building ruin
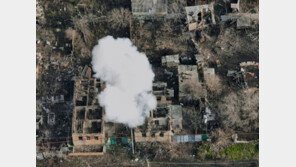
161, 126
163, 94
243, 20
186, 74
250, 70
88, 117
199, 16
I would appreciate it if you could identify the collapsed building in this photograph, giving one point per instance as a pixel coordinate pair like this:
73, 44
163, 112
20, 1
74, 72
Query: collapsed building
88, 117
250, 71
237, 77
163, 94
149, 7
199, 16
243, 20
161, 126
248, 75
186, 74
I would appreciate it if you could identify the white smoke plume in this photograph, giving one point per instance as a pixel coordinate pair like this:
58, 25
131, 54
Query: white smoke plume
128, 76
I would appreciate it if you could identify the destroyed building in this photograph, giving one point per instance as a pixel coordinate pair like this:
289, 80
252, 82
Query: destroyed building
237, 77
250, 71
155, 130
199, 16
163, 94
164, 120
176, 118
149, 7
162, 124
248, 75
186, 74
170, 61
88, 117
243, 20
208, 115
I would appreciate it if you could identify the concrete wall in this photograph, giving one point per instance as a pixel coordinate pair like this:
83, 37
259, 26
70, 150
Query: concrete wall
166, 137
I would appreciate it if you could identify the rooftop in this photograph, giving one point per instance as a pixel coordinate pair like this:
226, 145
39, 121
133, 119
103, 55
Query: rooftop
170, 60
175, 111
149, 7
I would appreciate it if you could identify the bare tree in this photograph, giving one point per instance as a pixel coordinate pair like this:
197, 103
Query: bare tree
81, 24
250, 110
240, 111
220, 138
119, 18
193, 119
230, 111
174, 151
214, 85
195, 89
176, 9
250, 6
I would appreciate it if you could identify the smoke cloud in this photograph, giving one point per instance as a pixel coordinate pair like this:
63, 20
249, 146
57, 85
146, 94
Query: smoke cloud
128, 76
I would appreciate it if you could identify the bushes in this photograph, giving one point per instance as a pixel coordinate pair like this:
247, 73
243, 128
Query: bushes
239, 151
204, 152
194, 89
214, 85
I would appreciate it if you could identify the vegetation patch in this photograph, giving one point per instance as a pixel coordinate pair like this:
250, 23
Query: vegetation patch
241, 151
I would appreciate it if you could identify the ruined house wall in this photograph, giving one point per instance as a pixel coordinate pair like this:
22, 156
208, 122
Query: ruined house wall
161, 93
195, 15
139, 138
88, 117
88, 139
